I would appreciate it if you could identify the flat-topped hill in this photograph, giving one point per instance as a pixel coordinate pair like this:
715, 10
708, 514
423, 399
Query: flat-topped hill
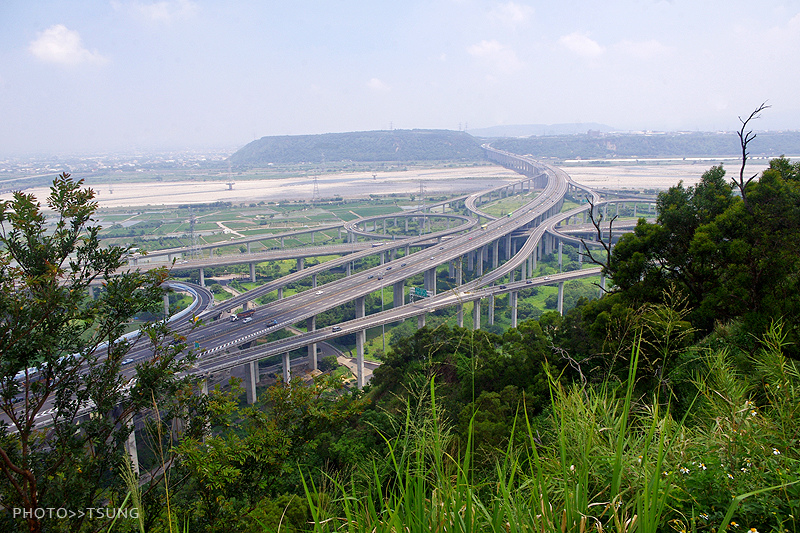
393, 145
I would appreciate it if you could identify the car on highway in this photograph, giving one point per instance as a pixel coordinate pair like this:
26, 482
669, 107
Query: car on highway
502, 286
528, 282
127, 361
248, 319
370, 276
318, 293
403, 264
336, 328
273, 322
546, 278
388, 268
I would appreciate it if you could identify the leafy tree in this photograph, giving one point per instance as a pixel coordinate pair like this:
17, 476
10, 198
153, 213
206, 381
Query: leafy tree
60, 357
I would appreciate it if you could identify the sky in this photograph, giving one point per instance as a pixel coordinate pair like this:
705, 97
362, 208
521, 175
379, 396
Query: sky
86, 77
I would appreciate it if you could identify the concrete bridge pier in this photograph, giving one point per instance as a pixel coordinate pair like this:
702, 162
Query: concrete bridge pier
281, 242
602, 285
130, 445
460, 315
250, 378
495, 254
360, 339
508, 247
408, 250
421, 321
398, 293
301, 263
491, 310
560, 253
202, 278
459, 270
430, 281
531, 263
253, 272
312, 237
406, 220
394, 254
313, 281
280, 293
287, 368
560, 298
471, 262
311, 325
166, 305
248, 247
451, 270
479, 259
476, 314
513, 300
349, 268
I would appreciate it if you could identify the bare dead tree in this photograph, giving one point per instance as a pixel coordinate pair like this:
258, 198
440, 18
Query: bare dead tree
745, 137
597, 222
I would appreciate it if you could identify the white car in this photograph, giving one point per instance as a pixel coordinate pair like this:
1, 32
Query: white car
318, 292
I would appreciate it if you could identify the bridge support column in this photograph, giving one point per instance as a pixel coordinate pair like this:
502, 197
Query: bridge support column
522, 271
202, 278
301, 263
287, 368
339, 231
312, 237
360, 338
394, 254
479, 259
635, 205
408, 251
560, 306
311, 325
491, 310
471, 261
130, 445
531, 263
421, 321
495, 254
383, 258
508, 247
250, 377
281, 242
451, 270
248, 247
602, 285
398, 293
560, 255
430, 281
280, 293
406, 230
580, 259
166, 305
459, 270
476, 314
513, 301
349, 268
313, 281
460, 315
253, 272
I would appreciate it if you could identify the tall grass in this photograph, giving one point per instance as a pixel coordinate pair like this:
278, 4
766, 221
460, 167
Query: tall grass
609, 462
599, 469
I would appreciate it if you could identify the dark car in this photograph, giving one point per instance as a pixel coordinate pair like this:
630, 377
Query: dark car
502, 286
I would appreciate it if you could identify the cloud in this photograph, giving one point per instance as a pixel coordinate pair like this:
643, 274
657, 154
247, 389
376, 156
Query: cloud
643, 49
581, 45
60, 45
512, 14
499, 55
164, 11
377, 85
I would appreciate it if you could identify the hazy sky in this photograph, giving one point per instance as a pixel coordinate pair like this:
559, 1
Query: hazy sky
85, 76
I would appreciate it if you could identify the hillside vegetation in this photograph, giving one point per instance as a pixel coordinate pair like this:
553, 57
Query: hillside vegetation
394, 145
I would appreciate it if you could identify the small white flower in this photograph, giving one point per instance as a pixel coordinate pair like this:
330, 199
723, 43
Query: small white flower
702, 466
776, 451
684, 470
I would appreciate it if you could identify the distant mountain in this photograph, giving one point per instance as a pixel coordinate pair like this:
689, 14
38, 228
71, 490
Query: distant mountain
528, 130
393, 145
609, 146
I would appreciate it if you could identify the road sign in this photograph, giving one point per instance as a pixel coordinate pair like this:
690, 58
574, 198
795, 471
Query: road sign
419, 291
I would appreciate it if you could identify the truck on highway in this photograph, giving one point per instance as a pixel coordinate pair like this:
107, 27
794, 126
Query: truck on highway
243, 314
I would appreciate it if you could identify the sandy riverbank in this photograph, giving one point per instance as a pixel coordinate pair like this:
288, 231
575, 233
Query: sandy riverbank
362, 184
